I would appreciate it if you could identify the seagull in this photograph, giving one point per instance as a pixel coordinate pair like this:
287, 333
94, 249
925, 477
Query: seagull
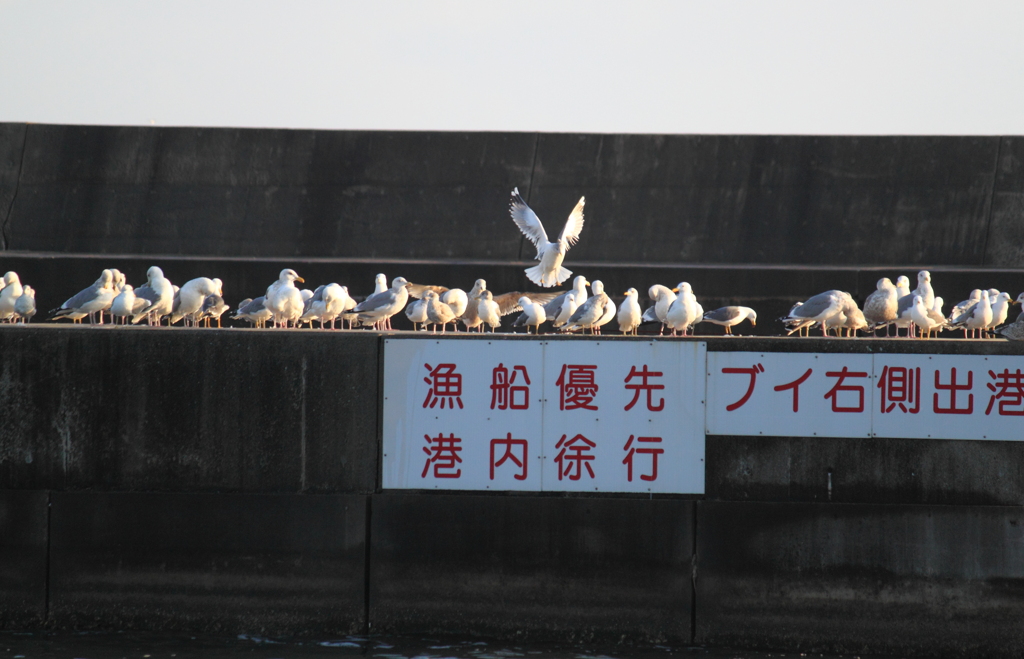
561, 315
550, 254
815, 310
255, 311
416, 312
379, 307
438, 313
682, 313
533, 314
487, 311
880, 307
924, 288
977, 318
1000, 309
729, 316
191, 297
213, 307
97, 297
592, 312
553, 306
25, 305
458, 301
629, 313
160, 292
9, 293
284, 300
126, 304
663, 297
924, 317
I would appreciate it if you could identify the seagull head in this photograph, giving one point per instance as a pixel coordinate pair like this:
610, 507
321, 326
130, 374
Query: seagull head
399, 283
290, 275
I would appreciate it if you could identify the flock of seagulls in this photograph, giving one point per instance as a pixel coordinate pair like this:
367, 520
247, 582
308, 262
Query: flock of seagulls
918, 312
200, 301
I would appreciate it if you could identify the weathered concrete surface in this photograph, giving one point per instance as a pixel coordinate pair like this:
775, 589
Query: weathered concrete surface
650, 198
861, 470
532, 567
223, 191
208, 562
771, 199
921, 580
24, 517
187, 410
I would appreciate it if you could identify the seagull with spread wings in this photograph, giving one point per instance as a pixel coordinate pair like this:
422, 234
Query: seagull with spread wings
550, 254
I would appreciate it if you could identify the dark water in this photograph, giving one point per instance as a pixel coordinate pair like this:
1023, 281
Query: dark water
144, 645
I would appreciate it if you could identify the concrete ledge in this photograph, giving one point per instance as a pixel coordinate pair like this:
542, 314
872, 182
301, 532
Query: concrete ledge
533, 567
24, 518
923, 580
208, 562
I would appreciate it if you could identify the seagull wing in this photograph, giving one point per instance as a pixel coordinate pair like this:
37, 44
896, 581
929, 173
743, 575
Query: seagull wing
418, 290
509, 302
573, 226
527, 221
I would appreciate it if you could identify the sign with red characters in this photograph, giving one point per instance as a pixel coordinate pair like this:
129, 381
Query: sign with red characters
865, 395
607, 416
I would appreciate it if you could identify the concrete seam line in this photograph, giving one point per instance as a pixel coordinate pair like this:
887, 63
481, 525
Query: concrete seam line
991, 203
5, 228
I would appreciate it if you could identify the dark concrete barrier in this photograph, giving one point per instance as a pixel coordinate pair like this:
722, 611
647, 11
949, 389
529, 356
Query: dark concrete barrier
921, 580
24, 538
187, 410
650, 198
532, 567
209, 562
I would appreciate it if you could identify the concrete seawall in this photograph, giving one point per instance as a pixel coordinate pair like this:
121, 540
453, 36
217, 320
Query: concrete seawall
229, 481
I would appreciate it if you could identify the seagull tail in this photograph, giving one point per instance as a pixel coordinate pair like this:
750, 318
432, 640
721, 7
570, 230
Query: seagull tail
539, 276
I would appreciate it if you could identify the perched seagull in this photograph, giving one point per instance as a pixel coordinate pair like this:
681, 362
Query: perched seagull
557, 302
438, 313
663, 297
125, 304
284, 299
379, 307
960, 307
213, 307
880, 306
629, 313
191, 297
682, 313
561, 315
592, 312
1015, 330
1000, 310
416, 312
977, 318
533, 314
159, 291
925, 318
255, 311
25, 305
924, 288
815, 310
729, 316
457, 301
97, 297
9, 293
488, 312
550, 254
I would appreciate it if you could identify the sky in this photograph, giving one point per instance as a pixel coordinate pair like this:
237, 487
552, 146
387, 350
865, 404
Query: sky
724, 67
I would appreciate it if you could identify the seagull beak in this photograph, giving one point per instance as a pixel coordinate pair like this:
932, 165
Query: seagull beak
675, 290
300, 279
753, 324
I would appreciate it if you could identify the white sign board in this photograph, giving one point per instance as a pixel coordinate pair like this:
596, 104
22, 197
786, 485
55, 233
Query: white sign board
533, 415
856, 395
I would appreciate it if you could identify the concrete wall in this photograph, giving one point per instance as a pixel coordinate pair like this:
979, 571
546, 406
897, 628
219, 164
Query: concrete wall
940, 201
196, 480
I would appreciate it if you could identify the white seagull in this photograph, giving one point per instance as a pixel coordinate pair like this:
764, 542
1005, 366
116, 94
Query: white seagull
550, 254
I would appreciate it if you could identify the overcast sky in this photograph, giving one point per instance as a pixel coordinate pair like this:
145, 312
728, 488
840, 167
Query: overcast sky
638, 67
